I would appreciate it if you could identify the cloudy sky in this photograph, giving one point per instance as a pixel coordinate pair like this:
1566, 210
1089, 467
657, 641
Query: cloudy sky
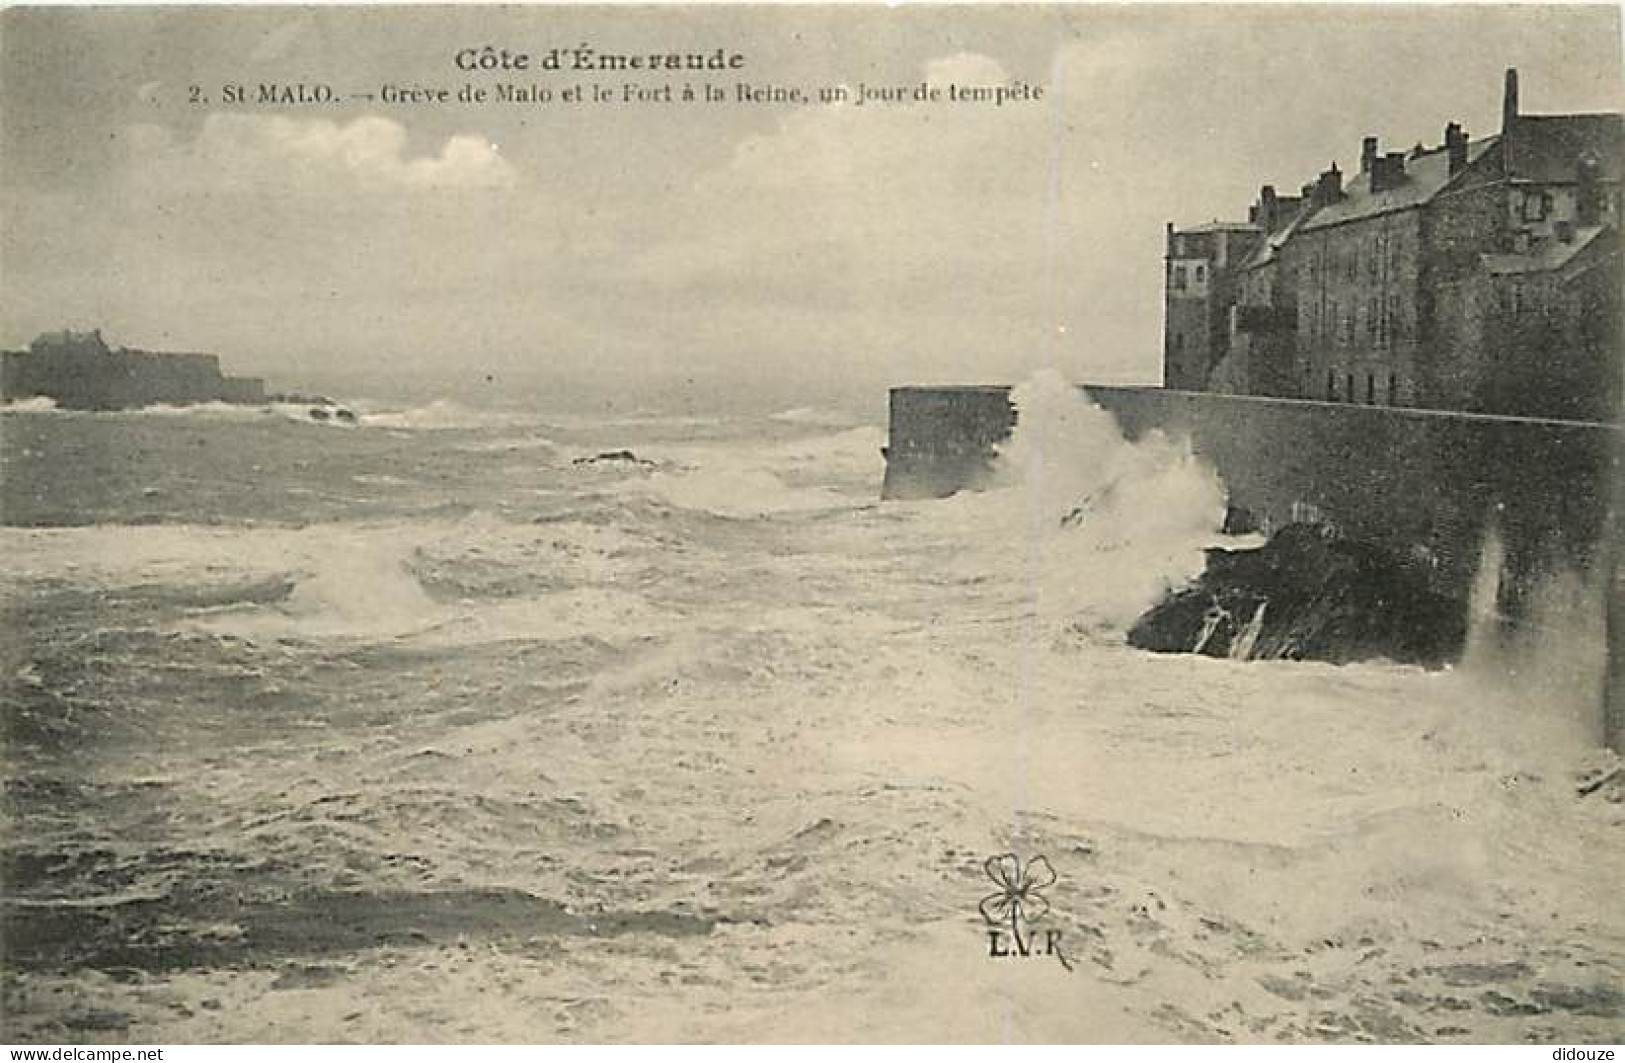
743, 247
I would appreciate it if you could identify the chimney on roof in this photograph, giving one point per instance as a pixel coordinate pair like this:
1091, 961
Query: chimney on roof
1509, 119
1588, 192
1329, 188
1265, 213
1455, 145
1387, 171
1368, 154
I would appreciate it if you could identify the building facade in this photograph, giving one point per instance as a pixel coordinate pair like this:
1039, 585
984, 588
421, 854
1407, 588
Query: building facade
1479, 275
1202, 268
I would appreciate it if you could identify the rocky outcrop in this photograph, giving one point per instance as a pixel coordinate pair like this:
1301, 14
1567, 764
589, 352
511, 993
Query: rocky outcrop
614, 457
1305, 595
79, 371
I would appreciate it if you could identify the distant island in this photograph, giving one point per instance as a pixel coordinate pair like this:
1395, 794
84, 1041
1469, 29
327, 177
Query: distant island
79, 371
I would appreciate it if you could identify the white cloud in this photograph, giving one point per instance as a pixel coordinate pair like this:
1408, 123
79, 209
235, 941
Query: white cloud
874, 243
278, 152
913, 240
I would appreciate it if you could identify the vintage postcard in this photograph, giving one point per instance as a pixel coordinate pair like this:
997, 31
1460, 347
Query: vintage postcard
717, 523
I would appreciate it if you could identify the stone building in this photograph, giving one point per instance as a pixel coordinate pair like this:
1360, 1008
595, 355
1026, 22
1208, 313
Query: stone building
1481, 275
1202, 265
1525, 262
78, 370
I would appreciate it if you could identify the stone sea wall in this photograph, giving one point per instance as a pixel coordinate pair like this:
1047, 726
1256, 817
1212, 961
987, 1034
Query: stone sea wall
1423, 485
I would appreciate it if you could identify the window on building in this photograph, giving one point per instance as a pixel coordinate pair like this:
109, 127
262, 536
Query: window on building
1348, 391
1371, 389
1536, 205
1201, 274
1179, 278
1331, 386
1393, 391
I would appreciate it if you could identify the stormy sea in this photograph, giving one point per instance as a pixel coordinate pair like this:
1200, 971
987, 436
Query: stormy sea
474, 725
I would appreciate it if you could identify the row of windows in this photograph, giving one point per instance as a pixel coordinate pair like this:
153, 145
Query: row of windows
1517, 298
1376, 256
1348, 387
1376, 317
1180, 278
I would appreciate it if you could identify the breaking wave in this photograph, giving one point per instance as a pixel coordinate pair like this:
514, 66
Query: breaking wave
227, 412
854, 454
740, 491
368, 595
440, 415
840, 470
1540, 678
476, 579
810, 415
37, 404
1100, 527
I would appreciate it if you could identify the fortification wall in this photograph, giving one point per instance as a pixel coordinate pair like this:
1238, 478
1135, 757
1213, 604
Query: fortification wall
94, 380
1424, 485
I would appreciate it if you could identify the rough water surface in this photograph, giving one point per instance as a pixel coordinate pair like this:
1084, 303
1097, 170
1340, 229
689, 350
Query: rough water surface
422, 730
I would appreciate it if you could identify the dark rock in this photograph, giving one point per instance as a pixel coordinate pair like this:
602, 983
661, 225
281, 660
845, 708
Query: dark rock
1600, 1000
614, 457
296, 398
1305, 595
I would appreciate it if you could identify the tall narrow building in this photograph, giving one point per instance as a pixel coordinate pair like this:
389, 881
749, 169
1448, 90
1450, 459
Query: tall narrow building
1202, 264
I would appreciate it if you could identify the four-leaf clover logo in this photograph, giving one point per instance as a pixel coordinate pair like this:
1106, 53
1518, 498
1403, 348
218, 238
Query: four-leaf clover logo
1020, 898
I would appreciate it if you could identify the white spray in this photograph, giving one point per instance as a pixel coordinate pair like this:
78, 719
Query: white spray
1541, 676
1109, 526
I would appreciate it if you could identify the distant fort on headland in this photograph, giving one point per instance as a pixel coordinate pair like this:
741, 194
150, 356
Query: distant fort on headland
79, 371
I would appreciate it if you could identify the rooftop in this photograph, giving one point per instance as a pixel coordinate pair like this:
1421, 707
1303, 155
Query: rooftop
1268, 247
1216, 226
1549, 255
1548, 147
1425, 175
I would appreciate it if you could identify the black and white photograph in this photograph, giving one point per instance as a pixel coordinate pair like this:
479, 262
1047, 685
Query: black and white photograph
829, 523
